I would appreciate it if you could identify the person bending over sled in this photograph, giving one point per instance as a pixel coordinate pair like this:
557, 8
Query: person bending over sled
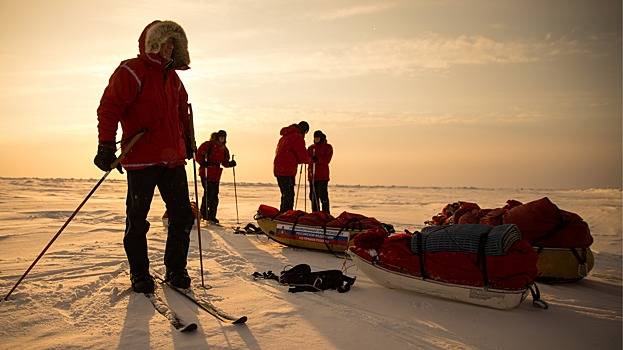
318, 173
289, 154
145, 93
210, 155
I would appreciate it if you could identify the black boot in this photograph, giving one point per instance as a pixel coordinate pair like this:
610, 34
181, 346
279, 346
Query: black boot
142, 283
178, 278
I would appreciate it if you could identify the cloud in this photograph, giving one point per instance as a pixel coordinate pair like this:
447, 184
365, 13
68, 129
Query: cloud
425, 53
272, 117
353, 11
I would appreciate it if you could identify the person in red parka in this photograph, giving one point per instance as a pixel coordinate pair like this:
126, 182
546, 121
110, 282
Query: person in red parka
211, 155
318, 173
289, 154
146, 94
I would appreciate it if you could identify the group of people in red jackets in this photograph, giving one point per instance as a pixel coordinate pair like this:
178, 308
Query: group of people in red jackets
291, 152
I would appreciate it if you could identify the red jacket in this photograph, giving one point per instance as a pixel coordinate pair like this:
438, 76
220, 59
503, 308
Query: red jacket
144, 93
211, 154
290, 152
324, 152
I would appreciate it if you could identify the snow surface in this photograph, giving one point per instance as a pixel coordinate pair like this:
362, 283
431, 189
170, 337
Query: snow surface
78, 295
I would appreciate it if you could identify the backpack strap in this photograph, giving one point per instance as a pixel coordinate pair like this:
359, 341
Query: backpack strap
420, 246
482, 258
296, 220
269, 275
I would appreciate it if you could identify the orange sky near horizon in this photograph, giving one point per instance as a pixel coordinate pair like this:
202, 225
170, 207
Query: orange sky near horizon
426, 93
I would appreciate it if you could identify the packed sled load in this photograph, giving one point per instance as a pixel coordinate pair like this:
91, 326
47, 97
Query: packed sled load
317, 230
561, 239
477, 264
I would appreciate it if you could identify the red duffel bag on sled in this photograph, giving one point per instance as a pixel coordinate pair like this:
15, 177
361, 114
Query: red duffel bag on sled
446, 264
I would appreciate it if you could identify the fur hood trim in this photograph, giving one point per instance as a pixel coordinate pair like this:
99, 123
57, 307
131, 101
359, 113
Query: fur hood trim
159, 32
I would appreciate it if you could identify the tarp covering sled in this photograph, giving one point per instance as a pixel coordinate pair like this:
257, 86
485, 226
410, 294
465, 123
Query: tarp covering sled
561, 238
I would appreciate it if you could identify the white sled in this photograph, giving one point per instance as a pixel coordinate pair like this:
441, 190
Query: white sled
494, 298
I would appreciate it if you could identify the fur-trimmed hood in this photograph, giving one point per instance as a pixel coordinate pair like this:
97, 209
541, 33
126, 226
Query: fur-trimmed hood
156, 33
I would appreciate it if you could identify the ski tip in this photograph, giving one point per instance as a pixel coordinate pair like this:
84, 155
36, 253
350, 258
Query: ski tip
189, 328
241, 320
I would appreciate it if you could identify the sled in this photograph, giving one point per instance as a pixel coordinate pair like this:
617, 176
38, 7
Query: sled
563, 264
304, 236
493, 298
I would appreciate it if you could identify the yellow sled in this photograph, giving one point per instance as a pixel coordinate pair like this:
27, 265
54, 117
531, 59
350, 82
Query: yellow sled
564, 264
309, 237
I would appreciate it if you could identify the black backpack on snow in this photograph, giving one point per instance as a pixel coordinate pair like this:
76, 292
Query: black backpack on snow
301, 279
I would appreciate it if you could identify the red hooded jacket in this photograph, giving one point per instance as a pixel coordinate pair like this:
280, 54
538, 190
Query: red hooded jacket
290, 152
324, 152
146, 93
211, 154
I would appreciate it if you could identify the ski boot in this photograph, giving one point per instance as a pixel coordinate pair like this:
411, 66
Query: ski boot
178, 278
142, 283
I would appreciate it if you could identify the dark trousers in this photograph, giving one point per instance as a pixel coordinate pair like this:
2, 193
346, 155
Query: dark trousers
173, 187
286, 186
320, 189
209, 201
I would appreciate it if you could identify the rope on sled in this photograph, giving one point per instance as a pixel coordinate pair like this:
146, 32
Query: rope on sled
536, 297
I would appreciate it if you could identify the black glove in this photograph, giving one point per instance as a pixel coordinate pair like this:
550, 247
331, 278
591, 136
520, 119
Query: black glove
314, 159
106, 156
232, 163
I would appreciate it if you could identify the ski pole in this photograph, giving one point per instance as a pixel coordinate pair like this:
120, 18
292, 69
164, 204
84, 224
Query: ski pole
124, 151
235, 192
205, 189
305, 188
194, 149
298, 187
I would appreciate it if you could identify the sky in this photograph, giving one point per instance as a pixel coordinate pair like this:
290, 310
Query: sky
420, 93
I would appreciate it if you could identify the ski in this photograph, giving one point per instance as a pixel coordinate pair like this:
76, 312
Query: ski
204, 304
163, 308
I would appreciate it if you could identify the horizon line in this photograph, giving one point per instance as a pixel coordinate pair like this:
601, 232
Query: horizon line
465, 187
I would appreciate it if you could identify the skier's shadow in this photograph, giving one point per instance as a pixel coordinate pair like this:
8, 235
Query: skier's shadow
199, 341
135, 331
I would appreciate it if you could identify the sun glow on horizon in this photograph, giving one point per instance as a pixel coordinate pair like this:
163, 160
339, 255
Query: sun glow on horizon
409, 93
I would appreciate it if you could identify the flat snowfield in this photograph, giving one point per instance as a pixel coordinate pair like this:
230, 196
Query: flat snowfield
78, 296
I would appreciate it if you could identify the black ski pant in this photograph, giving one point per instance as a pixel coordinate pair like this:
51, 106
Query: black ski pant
209, 201
173, 188
286, 186
320, 190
